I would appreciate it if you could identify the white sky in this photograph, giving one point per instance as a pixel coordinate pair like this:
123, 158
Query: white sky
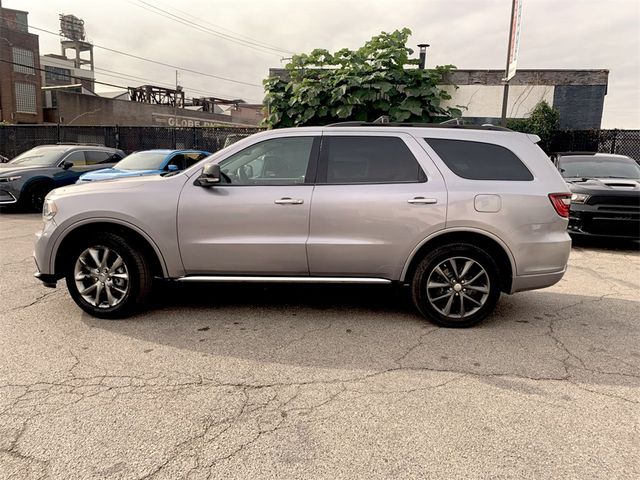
571, 34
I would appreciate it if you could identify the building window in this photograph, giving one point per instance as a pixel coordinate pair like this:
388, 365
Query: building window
21, 22
25, 97
56, 75
23, 61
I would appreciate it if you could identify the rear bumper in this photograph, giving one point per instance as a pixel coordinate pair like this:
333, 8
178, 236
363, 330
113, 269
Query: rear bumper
523, 283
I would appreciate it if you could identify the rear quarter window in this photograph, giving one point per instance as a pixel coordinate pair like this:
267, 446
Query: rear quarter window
479, 160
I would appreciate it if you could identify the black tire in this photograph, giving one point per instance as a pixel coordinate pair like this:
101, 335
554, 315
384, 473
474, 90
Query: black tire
138, 286
33, 197
467, 306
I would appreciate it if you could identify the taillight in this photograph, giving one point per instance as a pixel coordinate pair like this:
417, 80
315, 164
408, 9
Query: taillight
561, 202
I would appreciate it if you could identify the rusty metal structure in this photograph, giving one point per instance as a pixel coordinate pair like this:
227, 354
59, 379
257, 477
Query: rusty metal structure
157, 95
72, 28
208, 103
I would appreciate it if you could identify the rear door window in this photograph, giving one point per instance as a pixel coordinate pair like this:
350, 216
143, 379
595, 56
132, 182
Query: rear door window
368, 159
96, 156
479, 160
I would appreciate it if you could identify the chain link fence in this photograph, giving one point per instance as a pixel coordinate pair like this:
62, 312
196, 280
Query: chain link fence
15, 139
623, 142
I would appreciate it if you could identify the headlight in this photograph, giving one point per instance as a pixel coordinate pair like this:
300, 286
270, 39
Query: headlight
10, 179
49, 210
579, 197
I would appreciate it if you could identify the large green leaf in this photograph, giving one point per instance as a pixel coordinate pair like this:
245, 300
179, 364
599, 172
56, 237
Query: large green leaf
344, 111
376, 79
413, 105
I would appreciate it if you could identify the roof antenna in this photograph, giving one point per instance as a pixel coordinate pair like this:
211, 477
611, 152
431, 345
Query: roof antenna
382, 119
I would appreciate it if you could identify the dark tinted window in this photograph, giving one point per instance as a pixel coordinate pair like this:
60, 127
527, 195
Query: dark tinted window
77, 158
177, 160
479, 161
598, 166
193, 158
369, 160
96, 156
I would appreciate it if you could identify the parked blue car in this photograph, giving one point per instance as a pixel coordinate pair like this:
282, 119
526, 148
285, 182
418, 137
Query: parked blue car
147, 162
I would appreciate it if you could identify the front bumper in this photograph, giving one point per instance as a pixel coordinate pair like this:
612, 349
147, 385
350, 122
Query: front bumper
42, 255
7, 196
622, 221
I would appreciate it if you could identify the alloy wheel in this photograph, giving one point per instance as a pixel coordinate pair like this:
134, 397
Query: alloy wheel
101, 277
458, 287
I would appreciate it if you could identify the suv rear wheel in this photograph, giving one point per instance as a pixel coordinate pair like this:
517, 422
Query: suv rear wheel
456, 285
108, 277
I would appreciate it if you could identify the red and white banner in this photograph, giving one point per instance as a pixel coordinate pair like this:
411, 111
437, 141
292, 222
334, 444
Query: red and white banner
514, 40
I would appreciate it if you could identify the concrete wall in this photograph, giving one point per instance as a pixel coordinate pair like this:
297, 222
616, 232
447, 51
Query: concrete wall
486, 100
76, 109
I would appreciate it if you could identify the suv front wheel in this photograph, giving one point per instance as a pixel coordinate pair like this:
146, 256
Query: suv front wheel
108, 277
456, 285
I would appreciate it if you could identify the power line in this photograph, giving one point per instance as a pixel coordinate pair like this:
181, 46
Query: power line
250, 43
127, 76
148, 59
274, 47
122, 87
61, 74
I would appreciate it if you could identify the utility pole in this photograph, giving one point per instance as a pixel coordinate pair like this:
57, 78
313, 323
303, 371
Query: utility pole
505, 96
175, 103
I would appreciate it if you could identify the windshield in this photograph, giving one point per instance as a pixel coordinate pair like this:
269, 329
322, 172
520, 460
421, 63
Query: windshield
142, 161
39, 156
598, 167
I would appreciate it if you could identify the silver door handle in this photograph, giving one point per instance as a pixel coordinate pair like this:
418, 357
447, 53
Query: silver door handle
428, 201
289, 201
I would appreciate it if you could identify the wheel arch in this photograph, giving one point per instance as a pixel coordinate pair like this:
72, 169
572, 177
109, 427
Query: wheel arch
30, 182
130, 232
483, 239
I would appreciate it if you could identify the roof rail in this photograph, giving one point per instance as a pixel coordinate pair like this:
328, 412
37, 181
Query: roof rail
420, 125
567, 154
82, 144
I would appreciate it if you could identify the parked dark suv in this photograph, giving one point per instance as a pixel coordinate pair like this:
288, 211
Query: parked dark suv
605, 189
28, 178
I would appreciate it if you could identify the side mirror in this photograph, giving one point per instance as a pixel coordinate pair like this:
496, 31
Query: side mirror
172, 168
210, 176
67, 165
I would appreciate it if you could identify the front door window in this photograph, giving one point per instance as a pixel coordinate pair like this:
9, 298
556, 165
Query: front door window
279, 161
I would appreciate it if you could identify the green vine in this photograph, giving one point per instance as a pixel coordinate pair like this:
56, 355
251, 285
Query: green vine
377, 79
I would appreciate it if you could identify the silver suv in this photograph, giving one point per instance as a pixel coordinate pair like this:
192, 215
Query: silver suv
457, 214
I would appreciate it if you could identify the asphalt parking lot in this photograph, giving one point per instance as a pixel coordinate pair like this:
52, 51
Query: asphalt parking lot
320, 382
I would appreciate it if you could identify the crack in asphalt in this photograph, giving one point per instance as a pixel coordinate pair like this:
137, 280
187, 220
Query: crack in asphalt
268, 415
36, 301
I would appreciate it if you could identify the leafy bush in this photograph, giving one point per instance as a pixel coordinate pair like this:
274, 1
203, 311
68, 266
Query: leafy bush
543, 121
363, 84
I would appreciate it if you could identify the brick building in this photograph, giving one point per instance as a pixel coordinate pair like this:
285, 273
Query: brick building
20, 80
